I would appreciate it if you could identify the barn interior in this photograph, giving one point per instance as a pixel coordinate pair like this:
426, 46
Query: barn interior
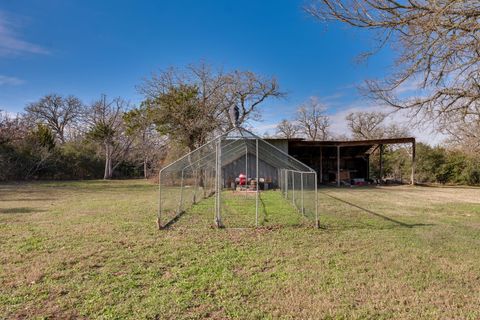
342, 162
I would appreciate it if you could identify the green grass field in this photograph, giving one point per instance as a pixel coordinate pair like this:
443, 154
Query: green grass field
92, 250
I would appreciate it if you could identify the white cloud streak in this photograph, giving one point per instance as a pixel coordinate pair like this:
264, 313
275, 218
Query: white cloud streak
10, 81
424, 133
11, 42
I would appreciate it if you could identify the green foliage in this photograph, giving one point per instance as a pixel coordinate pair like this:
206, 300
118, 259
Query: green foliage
471, 174
43, 136
180, 114
78, 160
138, 119
37, 154
101, 132
434, 165
430, 164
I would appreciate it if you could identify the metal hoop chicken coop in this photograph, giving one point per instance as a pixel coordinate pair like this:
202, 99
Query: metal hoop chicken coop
232, 175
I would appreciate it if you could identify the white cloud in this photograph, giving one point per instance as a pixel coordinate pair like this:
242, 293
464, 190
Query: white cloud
8, 114
261, 128
12, 81
423, 133
11, 43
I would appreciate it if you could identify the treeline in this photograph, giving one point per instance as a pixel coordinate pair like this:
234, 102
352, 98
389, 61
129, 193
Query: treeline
444, 165
453, 162
60, 137
456, 162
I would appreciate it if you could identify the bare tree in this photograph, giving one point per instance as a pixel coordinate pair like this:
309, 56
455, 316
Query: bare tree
287, 129
372, 125
464, 134
189, 104
366, 125
439, 49
106, 127
56, 112
312, 120
395, 130
246, 91
11, 128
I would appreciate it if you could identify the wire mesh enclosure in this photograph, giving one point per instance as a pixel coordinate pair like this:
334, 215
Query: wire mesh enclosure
239, 180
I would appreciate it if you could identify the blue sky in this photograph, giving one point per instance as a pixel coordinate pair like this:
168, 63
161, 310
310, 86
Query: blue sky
90, 47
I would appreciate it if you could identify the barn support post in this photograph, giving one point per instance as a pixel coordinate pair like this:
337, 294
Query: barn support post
258, 184
321, 165
413, 164
368, 167
317, 221
381, 165
338, 166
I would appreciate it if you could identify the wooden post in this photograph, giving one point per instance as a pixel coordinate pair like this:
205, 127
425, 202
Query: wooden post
338, 166
413, 164
381, 164
317, 221
321, 165
368, 167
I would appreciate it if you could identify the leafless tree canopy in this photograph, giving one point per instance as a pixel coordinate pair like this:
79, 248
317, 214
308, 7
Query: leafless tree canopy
464, 134
438, 45
312, 120
11, 128
287, 129
366, 125
216, 92
247, 91
371, 125
56, 112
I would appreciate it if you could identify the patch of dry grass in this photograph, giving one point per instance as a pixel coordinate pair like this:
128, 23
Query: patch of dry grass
91, 250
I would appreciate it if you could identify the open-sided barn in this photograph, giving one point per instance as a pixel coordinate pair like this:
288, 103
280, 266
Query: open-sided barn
337, 161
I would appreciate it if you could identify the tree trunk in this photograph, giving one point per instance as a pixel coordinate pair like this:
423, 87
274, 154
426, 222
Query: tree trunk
145, 161
108, 162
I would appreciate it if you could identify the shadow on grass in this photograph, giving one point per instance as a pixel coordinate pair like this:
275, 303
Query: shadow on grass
265, 212
396, 222
443, 186
29, 199
174, 220
19, 210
